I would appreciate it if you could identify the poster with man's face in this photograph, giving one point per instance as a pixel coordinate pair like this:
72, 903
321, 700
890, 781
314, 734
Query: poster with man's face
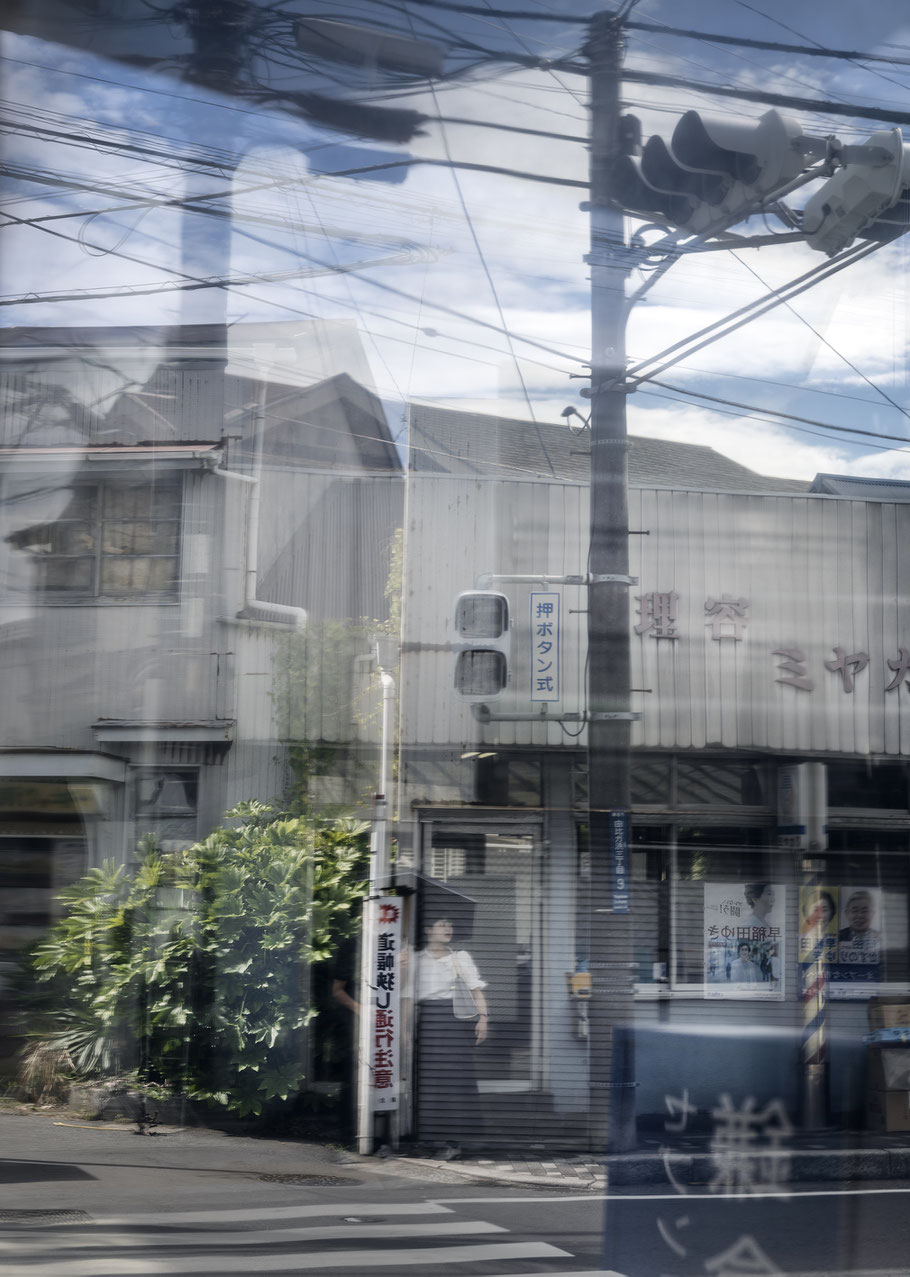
745, 943
844, 925
853, 939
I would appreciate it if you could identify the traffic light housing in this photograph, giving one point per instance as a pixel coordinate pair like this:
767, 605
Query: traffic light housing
868, 197
482, 622
712, 169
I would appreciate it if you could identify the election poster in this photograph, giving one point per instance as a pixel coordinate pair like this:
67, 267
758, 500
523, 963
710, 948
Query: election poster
842, 926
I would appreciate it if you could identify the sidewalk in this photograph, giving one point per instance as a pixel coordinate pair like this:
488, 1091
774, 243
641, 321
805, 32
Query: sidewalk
581, 1173
812, 1157
823, 1157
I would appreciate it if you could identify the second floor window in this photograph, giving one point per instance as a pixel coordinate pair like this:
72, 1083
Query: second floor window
117, 539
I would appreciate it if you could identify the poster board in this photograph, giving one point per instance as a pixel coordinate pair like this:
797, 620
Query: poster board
745, 953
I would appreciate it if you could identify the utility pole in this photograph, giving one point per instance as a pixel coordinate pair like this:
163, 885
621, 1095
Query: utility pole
611, 1106
219, 30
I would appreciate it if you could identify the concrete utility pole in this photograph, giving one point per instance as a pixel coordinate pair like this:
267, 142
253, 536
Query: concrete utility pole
611, 1105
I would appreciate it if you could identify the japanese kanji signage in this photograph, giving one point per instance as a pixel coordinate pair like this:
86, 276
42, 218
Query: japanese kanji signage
619, 857
385, 982
545, 646
727, 620
745, 940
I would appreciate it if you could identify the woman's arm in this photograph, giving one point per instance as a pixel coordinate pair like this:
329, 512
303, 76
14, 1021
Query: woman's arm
340, 994
480, 1027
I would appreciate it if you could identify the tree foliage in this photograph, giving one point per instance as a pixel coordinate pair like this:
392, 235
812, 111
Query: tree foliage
189, 968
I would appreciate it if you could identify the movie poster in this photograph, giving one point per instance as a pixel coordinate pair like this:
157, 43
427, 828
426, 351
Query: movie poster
745, 945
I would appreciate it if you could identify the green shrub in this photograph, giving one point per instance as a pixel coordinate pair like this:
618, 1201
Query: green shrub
189, 968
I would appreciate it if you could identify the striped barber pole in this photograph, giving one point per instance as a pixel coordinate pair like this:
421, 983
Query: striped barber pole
815, 1002
814, 992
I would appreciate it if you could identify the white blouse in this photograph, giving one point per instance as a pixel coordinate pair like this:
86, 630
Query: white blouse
436, 976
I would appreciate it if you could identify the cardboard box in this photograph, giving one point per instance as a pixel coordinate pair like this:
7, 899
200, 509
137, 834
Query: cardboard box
888, 1068
889, 1013
888, 1110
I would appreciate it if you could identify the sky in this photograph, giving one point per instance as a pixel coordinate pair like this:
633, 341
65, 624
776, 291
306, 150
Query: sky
468, 288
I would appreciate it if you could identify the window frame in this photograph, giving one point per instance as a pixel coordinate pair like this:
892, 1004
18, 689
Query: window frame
142, 771
101, 485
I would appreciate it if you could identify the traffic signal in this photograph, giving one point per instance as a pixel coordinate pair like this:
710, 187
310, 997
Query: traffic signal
868, 197
713, 169
482, 644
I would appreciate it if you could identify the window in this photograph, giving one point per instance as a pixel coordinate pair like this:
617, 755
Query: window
164, 804
868, 784
115, 540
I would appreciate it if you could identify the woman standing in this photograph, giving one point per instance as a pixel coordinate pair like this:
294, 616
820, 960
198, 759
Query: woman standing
744, 970
448, 986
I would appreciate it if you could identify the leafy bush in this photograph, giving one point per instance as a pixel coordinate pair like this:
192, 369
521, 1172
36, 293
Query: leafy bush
189, 969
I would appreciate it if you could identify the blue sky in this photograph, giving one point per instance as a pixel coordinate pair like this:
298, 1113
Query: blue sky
468, 288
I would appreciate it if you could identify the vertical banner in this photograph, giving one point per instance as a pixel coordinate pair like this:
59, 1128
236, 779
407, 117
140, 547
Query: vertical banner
619, 857
745, 941
385, 983
545, 645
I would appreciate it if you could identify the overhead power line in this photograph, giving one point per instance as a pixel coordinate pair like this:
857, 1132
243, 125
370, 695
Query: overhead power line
204, 204
787, 416
765, 416
773, 46
853, 110
723, 327
194, 282
553, 18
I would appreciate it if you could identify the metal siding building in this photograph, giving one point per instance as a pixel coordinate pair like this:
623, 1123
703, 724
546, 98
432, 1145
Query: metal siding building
777, 614
172, 509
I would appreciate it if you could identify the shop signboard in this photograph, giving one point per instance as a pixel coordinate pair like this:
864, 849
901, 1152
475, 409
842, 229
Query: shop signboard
545, 639
385, 982
745, 940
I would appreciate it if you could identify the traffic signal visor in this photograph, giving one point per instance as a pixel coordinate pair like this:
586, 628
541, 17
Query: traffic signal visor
712, 170
855, 198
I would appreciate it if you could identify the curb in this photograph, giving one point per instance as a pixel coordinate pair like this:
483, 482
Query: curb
516, 1179
697, 1169
414, 1168
826, 1166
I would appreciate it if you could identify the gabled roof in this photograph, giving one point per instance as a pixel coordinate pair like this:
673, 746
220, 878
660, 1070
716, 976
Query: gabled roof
845, 485
445, 441
88, 387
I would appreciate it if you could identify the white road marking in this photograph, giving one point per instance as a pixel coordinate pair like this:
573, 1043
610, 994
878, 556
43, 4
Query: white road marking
618, 1196
326, 1211
84, 1238
319, 1261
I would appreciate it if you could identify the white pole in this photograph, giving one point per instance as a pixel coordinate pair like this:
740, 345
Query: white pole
379, 875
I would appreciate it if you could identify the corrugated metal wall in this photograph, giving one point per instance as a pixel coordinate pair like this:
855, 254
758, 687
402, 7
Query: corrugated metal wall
816, 573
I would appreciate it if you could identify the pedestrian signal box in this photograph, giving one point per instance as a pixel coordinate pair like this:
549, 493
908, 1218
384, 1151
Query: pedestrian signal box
482, 644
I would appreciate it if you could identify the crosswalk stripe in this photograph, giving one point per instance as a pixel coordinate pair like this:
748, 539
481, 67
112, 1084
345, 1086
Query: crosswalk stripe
83, 1238
220, 1216
320, 1261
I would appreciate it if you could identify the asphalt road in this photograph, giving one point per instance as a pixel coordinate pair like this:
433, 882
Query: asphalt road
102, 1202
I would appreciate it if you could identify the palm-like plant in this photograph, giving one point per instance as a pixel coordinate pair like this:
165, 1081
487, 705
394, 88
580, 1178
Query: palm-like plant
188, 970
